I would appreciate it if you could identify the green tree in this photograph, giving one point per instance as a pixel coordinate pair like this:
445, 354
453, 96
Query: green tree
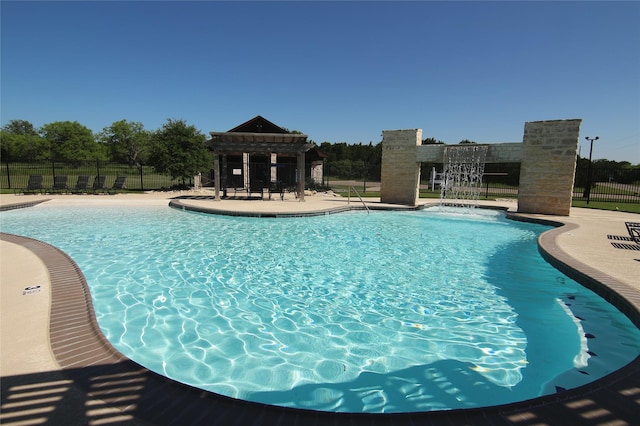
20, 127
179, 149
340, 169
128, 141
71, 141
353, 161
19, 141
431, 141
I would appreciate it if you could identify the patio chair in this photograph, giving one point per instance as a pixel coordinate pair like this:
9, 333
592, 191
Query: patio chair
238, 185
33, 186
98, 183
60, 183
82, 185
276, 188
119, 183
256, 186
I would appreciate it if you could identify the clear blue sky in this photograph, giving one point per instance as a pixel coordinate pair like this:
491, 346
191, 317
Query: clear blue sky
336, 71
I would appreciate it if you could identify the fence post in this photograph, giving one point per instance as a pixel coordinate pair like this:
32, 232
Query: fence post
8, 175
140, 169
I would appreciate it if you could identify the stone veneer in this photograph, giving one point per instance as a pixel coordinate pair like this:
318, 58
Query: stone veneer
496, 153
548, 165
547, 155
400, 175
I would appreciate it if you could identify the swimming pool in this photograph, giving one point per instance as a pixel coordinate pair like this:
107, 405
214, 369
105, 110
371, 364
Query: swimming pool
383, 312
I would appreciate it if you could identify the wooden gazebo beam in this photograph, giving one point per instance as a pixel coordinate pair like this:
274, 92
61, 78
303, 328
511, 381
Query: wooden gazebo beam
239, 137
257, 147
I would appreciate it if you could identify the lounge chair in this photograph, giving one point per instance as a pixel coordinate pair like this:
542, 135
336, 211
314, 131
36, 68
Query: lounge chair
276, 188
119, 184
98, 183
238, 186
256, 186
33, 186
82, 185
60, 184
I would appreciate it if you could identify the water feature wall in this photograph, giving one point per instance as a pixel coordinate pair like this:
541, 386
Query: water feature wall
547, 156
463, 170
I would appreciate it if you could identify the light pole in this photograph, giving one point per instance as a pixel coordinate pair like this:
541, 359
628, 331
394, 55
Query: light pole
587, 189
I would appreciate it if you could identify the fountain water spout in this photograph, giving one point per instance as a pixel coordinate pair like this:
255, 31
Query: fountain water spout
463, 170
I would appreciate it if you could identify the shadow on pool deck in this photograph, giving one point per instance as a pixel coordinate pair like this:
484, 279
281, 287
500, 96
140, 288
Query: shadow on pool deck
97, 385
126, 394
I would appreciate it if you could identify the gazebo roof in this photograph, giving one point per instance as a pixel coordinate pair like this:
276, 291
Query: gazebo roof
258, 124
258, 135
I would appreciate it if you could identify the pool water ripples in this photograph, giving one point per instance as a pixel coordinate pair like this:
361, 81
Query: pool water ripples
387, 312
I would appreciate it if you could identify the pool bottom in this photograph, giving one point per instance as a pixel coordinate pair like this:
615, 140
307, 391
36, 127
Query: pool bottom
451, 354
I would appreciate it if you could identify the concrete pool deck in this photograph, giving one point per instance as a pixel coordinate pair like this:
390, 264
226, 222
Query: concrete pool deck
55, 366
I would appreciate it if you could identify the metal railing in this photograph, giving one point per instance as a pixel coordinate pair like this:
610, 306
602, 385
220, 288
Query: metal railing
358, 194
16, 175
607, 184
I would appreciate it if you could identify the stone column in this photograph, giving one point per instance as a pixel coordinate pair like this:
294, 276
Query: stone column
273, 160
245, 169
400, 174
548, 166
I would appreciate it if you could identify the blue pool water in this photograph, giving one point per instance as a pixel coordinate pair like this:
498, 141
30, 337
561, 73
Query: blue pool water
386, 312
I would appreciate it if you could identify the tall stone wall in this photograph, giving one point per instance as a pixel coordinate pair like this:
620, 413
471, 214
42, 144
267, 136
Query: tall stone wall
548, 164
400, 174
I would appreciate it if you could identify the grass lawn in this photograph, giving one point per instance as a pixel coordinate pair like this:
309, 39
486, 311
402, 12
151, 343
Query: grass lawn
606, 205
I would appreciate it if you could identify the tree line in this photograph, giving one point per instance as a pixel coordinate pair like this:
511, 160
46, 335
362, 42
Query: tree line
178, 149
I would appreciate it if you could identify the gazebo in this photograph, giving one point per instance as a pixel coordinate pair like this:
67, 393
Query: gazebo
258, 152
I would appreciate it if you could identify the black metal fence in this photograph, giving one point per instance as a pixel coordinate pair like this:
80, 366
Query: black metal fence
138, 178
613, 184
608, 183
498, 180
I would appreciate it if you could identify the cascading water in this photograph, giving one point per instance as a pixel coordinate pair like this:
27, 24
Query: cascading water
462, 177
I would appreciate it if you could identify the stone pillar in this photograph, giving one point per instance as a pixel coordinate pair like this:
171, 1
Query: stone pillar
547, 171
317, 172
245, 169
273, 167
400, 174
